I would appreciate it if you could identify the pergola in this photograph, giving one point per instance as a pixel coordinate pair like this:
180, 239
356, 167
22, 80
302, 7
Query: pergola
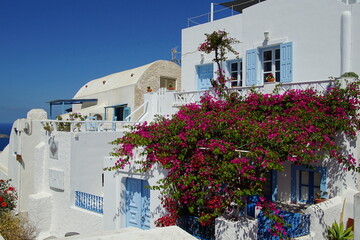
64, 102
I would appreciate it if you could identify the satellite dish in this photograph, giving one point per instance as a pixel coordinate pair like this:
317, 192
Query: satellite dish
173, 55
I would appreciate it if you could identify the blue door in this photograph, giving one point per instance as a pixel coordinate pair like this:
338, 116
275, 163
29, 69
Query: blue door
205, 73
137, 203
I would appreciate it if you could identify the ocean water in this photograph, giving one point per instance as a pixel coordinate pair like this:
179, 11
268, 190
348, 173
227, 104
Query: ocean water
5, 128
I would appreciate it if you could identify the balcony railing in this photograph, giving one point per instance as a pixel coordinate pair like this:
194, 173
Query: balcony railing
86, 126
182, 98
89, 202
296, 225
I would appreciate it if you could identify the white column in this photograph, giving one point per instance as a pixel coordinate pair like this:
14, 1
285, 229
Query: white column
212, 12
345, 42
357, 216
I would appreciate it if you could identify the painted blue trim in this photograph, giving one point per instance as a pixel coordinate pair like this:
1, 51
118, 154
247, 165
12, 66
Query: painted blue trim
239, 69
89, 202
204, 74
296, 195
126, 112
293, 183
137, 204
296, 225
251, 67
274, 185
286, 62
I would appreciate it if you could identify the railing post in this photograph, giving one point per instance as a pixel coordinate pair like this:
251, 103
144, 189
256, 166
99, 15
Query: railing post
212, 12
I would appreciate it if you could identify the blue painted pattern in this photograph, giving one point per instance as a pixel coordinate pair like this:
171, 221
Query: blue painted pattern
89, 202
297, 225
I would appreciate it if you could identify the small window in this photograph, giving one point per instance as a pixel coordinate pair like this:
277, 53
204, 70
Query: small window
235, 72
166, 82
307, 182
271, 63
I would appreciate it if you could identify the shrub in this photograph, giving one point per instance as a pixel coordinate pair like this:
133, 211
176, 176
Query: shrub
8, 196
350, 74
338, 232
16, 228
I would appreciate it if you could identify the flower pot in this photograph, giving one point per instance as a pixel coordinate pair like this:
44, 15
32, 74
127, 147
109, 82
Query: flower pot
319, 200
270, 79
171, 88
149, 90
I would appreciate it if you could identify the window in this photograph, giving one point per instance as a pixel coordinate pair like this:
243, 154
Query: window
271, 63
305, 183
260, 62
235, 72
166, 82
309, 185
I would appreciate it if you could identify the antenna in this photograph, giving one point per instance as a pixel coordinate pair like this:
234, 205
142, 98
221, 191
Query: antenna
173, 55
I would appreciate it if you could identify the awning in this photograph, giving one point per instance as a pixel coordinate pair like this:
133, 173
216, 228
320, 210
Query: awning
64, 102
240, 5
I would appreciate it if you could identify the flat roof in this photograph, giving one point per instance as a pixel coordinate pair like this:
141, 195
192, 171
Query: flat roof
71, 101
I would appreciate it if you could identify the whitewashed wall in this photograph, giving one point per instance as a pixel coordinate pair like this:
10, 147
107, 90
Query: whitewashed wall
314, 27
78, 163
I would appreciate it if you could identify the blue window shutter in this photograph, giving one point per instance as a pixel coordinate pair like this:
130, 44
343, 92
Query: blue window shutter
293, 184
205, 73
126, 112
274, 185
286, 64
251, 66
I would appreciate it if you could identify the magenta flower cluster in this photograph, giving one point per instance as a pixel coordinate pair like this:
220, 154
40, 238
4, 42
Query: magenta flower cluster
218, 152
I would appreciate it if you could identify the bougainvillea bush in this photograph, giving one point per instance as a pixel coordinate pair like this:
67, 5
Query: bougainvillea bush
219, 151
8, 196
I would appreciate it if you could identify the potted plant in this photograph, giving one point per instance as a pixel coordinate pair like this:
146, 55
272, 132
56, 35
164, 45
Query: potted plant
171, 87
320, 197
149, 89
338, 232
270, 78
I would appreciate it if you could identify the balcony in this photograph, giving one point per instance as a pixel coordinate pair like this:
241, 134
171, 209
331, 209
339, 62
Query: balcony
182, 98
89, 202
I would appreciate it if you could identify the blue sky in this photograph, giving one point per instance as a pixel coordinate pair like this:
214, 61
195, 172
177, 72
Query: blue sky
50, 48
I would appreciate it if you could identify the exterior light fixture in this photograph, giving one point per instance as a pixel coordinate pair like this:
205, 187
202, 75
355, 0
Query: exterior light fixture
266, 35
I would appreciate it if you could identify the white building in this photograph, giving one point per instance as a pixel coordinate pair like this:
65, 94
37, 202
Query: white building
59, 174
295, 40
302, 43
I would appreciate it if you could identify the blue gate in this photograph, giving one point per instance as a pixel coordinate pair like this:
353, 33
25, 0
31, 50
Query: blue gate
297, 225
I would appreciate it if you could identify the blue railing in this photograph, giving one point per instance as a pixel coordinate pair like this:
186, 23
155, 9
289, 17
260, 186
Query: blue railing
297, 225
192, 225
89, 202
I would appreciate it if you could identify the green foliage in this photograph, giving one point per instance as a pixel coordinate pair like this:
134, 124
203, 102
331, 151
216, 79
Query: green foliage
65, 126
338, 232
350, 74
217, 153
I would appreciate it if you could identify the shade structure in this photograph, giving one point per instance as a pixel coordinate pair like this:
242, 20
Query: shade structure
240, 5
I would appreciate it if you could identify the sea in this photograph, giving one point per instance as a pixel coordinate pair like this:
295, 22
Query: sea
5, 128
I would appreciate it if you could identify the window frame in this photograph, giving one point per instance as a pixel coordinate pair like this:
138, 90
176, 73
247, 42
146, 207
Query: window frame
275, 70
296, 183
239, 73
